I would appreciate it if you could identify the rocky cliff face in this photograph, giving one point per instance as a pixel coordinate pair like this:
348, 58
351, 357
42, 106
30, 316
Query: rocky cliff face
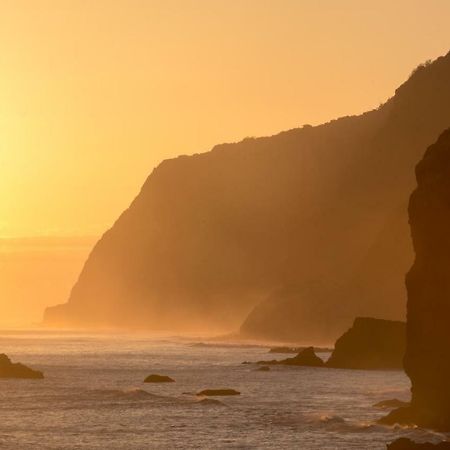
427, 359
370, 344
318, 208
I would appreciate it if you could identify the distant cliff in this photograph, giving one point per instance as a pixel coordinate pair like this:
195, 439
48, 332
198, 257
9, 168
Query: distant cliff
317, 214
427, 360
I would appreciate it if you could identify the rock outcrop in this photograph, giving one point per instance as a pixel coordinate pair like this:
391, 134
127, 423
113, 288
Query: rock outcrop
306, 357
408, 444
9, 369
154, 378
313, 217
427, 360
370, 344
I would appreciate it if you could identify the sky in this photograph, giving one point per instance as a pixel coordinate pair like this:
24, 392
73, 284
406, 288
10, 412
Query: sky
94, 94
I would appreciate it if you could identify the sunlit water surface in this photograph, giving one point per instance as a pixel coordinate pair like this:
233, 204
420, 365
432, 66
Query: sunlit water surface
93, 397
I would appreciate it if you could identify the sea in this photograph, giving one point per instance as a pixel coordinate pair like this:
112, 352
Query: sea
93, 397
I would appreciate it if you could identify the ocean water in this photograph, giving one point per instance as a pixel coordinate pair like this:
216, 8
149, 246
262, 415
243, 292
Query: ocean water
93, 397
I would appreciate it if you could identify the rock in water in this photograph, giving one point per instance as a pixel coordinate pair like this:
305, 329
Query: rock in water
427, 360
218, 392
370, 344
306, 357
158, 379
407, 444
9, 369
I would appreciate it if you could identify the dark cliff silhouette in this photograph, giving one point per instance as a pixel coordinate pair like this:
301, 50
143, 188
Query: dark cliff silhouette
427, 360
370, 344
318, 213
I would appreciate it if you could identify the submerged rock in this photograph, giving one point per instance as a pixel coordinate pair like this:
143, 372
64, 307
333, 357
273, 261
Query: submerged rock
218, 392
306, 357
9, 369
408, 444
427, 359
158, 379
263, 369
370, 344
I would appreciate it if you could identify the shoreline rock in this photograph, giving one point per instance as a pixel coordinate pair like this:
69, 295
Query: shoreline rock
8, 369
370, 344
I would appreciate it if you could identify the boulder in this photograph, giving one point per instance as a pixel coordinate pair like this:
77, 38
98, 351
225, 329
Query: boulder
9, 369
158, 379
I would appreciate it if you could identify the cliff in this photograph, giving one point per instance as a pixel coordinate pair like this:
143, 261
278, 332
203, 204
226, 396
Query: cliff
370, 344
318, 213
427, 360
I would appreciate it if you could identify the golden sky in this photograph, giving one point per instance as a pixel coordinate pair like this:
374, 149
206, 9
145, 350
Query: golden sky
93, 94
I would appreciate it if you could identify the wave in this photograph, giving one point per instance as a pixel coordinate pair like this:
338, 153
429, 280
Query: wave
336, 423
140, 395
230, 345
210, 402
133, 393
